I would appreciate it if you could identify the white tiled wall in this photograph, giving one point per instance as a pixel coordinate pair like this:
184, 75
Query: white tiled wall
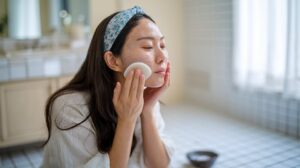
209, 42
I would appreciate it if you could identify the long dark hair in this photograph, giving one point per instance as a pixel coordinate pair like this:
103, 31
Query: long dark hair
96, 78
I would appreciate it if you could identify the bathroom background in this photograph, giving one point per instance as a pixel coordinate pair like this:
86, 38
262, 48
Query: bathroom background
207, 107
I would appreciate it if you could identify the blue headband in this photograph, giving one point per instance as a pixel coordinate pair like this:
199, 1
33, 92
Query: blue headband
117, 23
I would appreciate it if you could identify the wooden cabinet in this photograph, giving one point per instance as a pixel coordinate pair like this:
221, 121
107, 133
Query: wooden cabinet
22, 110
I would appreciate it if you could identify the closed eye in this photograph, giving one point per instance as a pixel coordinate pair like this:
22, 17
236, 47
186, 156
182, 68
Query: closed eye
147, 48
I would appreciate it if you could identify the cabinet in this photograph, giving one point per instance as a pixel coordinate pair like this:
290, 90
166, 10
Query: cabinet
22, 110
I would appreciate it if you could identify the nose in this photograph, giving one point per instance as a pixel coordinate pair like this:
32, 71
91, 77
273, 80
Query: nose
161, 55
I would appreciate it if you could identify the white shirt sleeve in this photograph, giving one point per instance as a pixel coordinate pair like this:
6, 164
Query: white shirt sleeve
98, 160
75, 147
168, 143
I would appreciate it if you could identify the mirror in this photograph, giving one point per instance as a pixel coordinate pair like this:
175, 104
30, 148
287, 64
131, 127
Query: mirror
32, 19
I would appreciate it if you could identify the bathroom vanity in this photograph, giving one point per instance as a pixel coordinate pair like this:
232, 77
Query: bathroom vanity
27, 79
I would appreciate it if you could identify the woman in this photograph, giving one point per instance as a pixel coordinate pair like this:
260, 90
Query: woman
102, 119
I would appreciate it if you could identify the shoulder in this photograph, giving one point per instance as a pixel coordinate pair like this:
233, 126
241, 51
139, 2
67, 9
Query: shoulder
74, 105
74, 98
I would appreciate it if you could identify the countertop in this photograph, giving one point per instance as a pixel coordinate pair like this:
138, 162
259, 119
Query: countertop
32, 64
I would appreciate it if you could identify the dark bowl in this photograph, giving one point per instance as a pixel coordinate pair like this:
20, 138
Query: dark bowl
202, 159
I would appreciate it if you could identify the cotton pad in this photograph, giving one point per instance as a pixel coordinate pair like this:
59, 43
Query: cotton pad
145, 69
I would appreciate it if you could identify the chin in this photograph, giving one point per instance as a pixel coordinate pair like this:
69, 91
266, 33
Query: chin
154, 84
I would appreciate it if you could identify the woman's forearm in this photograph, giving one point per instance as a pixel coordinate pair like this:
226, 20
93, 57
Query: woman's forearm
155, 154
120, 151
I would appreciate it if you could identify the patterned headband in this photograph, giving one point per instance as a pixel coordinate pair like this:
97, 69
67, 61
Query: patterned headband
117, 23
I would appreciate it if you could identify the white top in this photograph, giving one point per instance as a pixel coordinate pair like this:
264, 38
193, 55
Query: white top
77, 147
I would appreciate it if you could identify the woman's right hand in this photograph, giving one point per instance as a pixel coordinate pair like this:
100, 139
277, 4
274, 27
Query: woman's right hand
128, 99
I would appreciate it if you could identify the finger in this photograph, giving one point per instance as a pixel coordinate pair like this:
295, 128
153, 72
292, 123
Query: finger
127, 84
168, 79
167, 76
168, 68
134, 84
140, 91
117, 92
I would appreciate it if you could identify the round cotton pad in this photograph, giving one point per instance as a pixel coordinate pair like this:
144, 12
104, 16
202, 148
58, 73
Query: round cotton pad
145, 69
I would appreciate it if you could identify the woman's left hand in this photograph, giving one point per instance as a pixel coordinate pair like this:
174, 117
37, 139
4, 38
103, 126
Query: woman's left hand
151, 95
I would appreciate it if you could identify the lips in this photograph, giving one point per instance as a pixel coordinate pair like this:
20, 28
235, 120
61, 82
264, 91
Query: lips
161, 71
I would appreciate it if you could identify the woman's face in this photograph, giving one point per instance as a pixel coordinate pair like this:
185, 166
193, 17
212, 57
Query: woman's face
146, 44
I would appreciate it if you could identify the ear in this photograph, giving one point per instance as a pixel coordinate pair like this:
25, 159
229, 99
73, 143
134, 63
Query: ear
113, 62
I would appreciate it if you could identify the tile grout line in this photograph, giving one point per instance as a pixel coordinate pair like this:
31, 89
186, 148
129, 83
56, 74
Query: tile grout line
28, 158
11, 159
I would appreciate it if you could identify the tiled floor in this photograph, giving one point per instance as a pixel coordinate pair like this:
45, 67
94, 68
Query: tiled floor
238, 144
25, 157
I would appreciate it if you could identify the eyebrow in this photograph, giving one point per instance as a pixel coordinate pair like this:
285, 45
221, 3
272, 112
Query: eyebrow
149, 38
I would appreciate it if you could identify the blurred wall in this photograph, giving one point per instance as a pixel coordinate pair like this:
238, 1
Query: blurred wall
44, 9
3, 8
209, 43
168, 14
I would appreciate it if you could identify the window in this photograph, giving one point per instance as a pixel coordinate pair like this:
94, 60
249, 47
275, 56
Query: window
24, 19
266, 45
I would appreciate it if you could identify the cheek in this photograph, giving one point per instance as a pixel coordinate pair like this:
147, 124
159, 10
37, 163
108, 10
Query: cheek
154, 81
146, 58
